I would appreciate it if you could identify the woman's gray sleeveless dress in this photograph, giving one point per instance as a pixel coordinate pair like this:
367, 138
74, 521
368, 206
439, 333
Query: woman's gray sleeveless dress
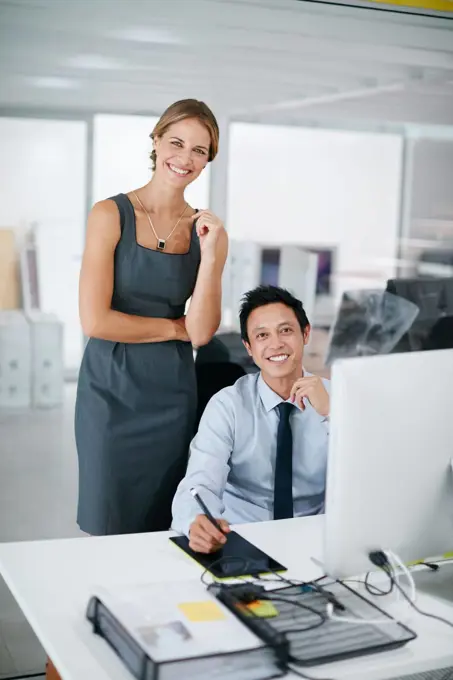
136, 403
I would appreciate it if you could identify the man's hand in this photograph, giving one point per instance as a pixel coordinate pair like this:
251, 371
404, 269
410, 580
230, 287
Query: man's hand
204, 537
311, 388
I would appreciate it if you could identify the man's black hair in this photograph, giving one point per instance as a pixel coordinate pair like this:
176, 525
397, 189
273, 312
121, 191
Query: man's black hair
267, 295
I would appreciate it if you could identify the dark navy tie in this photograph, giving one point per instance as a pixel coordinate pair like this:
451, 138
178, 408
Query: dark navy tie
283, 486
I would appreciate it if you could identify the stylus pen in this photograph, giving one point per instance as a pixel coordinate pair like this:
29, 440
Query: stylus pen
205, 510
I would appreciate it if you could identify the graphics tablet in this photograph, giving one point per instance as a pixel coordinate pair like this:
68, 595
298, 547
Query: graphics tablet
238, 557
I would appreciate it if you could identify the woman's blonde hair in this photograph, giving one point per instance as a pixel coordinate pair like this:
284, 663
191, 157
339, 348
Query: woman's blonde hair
183, 110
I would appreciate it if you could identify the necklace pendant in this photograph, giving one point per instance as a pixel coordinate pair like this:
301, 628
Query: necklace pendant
160, 244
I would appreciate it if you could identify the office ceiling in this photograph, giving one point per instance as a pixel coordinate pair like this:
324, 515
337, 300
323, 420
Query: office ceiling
263, 60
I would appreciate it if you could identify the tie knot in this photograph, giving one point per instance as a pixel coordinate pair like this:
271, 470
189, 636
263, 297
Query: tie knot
285, 409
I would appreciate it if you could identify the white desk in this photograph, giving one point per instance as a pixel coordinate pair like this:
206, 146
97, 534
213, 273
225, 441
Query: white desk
53, 580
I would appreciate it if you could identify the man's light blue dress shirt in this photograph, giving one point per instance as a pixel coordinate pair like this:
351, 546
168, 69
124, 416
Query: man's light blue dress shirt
232, 457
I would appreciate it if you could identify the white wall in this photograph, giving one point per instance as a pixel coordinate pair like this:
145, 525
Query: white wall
121, 158
319, 188
43, 174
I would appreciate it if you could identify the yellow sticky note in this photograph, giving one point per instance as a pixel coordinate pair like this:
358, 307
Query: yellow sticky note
261, 609
264, 609
201, 611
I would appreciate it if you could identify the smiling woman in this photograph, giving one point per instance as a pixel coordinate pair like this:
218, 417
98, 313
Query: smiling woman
146, 254
179, 112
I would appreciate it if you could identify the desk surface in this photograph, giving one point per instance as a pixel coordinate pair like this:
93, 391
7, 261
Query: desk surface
53, 580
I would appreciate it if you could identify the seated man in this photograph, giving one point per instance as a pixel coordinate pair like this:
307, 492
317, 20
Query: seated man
261, 449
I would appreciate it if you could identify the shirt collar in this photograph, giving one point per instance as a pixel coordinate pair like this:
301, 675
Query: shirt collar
269, 398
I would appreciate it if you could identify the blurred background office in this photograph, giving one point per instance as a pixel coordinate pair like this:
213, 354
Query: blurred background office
335, 174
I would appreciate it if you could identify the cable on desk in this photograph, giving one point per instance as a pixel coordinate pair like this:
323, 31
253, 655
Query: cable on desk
380, 559
221, 560
433, 565
316, 586
374, 590
320, 578
290, 582
385, 565
388, 566
334, 605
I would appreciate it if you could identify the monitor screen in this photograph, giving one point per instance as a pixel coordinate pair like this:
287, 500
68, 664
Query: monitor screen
270, 264
323, 282
433, 327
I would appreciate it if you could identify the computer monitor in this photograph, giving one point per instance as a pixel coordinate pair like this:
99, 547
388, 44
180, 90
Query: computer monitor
389, 477
433, 327
270, 268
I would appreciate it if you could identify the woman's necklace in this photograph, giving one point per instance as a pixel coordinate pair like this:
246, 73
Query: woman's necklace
161, 242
